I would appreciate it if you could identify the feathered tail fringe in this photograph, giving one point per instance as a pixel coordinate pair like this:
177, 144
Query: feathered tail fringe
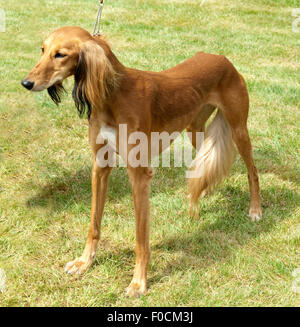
213, 162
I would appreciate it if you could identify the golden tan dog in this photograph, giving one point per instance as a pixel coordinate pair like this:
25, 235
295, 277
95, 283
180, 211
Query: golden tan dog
182, 97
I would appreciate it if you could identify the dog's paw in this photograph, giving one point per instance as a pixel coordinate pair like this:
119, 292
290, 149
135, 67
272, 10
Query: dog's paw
255, 214
193, 210
136, 290
77, 266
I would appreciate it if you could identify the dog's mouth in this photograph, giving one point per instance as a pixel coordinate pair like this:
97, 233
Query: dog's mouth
55, 91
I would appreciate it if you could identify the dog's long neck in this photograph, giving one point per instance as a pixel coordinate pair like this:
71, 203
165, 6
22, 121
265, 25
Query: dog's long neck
118, 67
119, 72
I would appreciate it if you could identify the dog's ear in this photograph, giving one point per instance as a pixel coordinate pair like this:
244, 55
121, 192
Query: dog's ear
95, 78
55, 92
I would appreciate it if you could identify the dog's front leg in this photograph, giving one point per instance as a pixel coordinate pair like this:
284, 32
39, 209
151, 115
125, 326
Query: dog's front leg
99, 187
140, 179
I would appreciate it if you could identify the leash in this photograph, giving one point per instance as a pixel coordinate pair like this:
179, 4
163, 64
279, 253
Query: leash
97, 25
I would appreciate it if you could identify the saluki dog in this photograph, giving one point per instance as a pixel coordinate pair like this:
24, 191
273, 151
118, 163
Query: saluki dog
182, 97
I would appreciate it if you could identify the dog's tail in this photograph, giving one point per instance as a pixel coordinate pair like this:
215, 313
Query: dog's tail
213, 161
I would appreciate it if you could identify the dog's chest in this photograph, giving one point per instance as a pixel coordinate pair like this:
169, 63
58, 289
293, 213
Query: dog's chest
108, 133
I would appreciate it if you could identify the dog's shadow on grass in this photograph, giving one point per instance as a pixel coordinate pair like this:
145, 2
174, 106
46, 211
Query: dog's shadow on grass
219, 232
67, 189
63, 191
269, 161
216, 239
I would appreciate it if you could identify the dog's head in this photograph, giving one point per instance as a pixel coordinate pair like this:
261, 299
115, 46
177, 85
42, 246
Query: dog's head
73, 51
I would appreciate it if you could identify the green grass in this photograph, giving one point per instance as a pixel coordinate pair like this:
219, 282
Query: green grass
222, 259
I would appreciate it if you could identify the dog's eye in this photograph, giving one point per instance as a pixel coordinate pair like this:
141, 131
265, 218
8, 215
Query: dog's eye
60, 55
43, 50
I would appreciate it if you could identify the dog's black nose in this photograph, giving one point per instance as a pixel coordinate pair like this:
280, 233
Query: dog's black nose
27, 84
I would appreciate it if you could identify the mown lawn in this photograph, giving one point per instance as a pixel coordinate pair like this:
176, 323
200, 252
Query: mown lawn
222, 259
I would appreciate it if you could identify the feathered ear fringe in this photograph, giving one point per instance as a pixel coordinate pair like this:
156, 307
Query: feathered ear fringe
55, 92
81, 102
95, 78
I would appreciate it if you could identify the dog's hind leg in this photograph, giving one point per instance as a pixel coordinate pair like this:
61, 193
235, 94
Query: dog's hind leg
242, 140
235, 108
